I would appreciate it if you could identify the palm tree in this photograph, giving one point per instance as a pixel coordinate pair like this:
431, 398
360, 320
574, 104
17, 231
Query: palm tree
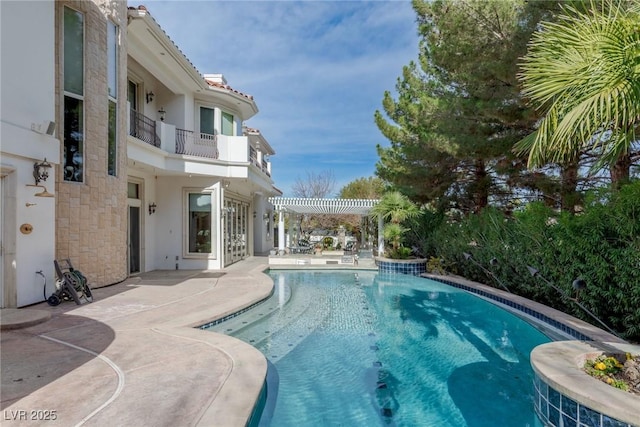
395, 208
583, 72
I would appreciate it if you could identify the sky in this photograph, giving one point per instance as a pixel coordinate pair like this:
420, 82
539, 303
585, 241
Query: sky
317, 70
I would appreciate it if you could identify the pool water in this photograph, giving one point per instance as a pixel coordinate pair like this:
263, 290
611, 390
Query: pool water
366, 349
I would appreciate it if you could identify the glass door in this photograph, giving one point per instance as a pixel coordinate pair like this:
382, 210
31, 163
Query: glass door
134, 239
236, 217
134, 227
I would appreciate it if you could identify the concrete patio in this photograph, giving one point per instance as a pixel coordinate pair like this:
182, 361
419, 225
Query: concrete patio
133, 356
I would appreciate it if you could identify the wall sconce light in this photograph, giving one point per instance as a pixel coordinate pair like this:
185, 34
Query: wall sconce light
226, 183
150, 96
41, 171
152, 208
162, 113
43, 193
265, 217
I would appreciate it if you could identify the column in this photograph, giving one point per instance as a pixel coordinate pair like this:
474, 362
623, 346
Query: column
280, 232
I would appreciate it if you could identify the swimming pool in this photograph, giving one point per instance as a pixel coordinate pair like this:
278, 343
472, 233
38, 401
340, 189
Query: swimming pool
368, 349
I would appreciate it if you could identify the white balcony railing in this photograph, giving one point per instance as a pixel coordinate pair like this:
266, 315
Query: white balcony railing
196, 144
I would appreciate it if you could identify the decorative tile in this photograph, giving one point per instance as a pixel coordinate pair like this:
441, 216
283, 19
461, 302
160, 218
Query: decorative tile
589, 417
611, 422
554, 398
569, 407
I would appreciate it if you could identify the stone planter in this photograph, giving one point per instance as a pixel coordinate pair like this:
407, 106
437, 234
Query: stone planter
565, 395
413, 266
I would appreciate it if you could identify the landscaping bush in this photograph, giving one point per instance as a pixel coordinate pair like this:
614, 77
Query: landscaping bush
600, 245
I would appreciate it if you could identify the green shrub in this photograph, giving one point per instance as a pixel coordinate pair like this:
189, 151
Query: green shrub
600, 245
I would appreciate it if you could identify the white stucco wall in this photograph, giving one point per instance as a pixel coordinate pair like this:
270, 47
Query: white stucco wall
169, 224
28, 88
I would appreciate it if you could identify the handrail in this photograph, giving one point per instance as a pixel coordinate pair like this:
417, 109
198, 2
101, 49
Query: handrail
144, 128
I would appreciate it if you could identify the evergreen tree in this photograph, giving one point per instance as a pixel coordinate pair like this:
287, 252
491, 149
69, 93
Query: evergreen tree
459, 111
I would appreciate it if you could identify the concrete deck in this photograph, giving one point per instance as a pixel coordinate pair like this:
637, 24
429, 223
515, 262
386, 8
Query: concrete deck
133, 356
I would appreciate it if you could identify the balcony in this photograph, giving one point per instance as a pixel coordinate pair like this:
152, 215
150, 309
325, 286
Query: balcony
184, 142
261, 164
196, 144
143, 128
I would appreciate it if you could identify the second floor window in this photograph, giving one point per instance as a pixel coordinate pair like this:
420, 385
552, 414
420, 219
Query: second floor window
227, 124
112, 78
207, 122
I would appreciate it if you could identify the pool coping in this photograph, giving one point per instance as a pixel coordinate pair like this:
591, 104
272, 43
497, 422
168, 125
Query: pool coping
577, 328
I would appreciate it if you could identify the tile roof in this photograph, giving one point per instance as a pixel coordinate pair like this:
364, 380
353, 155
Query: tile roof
229, 88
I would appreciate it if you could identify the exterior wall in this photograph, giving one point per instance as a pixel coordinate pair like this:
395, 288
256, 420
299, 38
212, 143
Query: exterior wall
27, 107
91, 217
146, 83
170, 220
262, 243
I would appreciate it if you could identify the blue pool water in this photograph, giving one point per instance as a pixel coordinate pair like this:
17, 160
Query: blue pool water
366, 349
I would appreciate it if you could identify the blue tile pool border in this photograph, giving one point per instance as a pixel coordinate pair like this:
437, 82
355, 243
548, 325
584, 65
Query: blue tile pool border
414, 267
517, 306
555, 409
235, 314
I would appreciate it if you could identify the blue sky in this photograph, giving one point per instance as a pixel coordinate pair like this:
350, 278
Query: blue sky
317, 70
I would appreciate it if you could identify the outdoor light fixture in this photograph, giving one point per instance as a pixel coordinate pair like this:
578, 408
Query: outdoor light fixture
43, 193
152, 208
41, 171
578, 284
493, 261
226, 183
150, 96
162, 113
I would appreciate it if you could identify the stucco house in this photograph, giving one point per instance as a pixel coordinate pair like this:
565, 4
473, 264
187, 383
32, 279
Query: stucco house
152, 165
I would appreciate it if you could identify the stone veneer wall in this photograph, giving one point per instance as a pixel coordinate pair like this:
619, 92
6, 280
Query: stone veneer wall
91, 217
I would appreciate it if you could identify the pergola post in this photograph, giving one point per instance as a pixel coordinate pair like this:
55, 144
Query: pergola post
281, 232
380, 236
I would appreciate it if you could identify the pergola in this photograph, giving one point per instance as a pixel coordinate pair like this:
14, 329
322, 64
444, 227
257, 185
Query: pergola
317, 206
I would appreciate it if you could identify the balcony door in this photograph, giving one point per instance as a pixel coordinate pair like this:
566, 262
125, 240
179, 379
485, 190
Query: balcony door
132, 95
207, 121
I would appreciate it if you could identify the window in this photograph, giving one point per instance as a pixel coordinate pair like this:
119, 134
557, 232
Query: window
112, 78
227, 124
207, 123
200, 219
73, 135
112, 151
133, 190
